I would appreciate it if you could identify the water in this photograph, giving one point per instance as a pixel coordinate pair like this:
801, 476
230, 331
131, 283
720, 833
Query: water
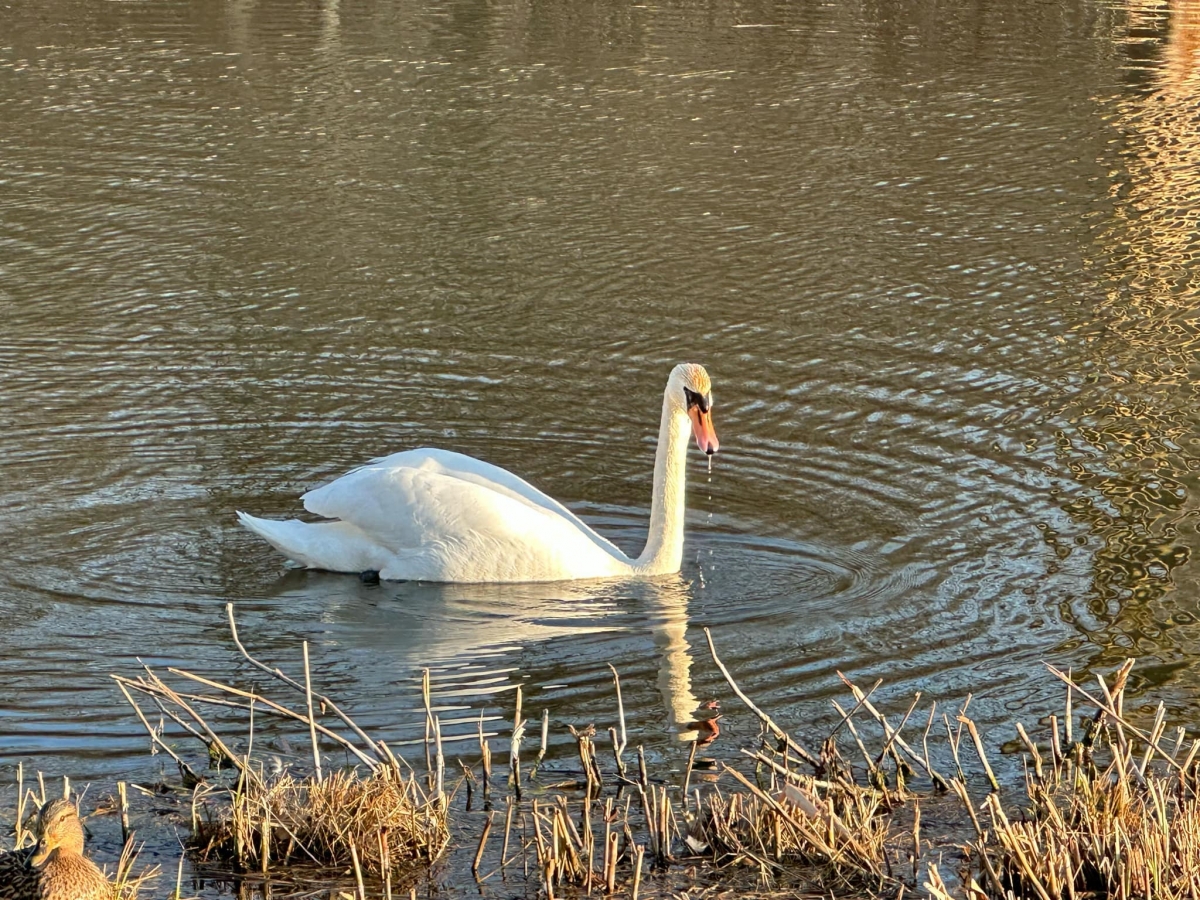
941, 264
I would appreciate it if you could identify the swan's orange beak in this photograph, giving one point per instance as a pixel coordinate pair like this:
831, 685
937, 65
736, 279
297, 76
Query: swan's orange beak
702, 428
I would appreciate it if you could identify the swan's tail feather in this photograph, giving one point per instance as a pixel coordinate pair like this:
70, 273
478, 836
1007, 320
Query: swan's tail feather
335, 546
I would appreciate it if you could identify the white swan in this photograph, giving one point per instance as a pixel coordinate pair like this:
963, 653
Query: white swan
435, 515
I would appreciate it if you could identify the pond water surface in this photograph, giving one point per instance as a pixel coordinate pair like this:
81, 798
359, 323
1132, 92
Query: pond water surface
940, 260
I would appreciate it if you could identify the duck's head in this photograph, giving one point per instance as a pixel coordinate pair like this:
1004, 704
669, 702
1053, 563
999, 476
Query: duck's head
58, 829
690, 389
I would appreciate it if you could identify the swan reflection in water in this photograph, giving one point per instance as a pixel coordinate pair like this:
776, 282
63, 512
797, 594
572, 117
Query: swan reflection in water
476, 639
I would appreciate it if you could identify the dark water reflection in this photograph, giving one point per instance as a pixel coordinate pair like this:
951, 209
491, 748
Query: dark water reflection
940, 262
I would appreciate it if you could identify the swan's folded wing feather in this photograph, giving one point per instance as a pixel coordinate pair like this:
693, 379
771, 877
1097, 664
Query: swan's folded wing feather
404, 498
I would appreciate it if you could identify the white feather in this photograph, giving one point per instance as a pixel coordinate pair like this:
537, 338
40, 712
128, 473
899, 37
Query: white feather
436, 515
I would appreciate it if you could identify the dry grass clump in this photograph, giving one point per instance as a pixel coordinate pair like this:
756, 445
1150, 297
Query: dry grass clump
377, 822
837, 831
372, 818
1102, 835
1115, 814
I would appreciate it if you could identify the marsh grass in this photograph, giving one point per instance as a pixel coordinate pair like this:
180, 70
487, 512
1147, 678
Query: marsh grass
1107, 810
371, 818
1114, 814
379, 822
128, 884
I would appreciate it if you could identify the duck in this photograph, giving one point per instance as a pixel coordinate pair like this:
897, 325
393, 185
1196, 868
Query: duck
54, 869
439, 516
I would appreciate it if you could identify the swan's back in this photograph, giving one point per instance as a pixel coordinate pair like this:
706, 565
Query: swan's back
436, 515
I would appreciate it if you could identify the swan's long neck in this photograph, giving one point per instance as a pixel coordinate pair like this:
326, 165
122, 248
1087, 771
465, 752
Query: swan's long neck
664, 544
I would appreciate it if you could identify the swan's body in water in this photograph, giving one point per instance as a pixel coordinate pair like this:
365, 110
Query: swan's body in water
435, 515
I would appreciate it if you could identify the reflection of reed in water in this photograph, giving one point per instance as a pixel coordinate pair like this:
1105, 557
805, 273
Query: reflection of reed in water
1133, 450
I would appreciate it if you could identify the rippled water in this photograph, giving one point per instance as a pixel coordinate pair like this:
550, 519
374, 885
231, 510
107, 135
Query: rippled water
941, 264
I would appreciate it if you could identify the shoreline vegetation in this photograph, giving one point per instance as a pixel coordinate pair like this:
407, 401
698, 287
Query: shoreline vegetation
1106, 807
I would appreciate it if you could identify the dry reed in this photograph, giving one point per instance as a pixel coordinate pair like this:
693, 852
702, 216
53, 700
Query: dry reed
374, 817
1115, 814
1109, 810
128, 885
383, 819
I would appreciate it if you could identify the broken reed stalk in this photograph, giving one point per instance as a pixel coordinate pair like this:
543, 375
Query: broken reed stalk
687, 771
508, 818
326, 702
19, 828
487, 830
468, 780
358, 875
923, 762
425, 697
979, 751
485, 753
312, 722
619, 745
385, 864
123, 800
514, 758
184, 768
1032, 750
873, 774
779, 733
541, 749
894, 736
369, 761
439, 792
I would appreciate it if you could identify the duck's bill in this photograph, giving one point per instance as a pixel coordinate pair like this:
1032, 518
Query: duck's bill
702, 429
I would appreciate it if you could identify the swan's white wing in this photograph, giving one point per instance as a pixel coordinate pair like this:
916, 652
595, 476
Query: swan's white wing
406, 498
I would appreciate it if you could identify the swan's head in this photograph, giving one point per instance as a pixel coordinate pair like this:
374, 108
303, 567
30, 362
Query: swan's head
690, 389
